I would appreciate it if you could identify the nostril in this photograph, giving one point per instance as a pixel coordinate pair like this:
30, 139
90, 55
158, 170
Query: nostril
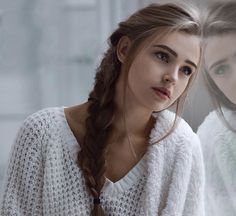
168, 78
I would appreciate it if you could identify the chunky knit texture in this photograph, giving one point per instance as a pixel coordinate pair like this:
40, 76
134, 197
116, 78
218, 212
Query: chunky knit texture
219, 150
44, 179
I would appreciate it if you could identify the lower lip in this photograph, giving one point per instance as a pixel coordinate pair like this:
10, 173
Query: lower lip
160, 94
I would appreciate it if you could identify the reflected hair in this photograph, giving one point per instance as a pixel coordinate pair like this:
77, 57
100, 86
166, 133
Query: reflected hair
145, 25
221, 20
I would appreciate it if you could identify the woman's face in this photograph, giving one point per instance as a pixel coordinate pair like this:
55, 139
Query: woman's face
160, 73
220, 58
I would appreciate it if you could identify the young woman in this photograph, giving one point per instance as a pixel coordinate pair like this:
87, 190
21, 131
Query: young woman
121, 152
219, 148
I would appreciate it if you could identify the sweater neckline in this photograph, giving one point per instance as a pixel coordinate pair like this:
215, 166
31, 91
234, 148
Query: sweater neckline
110, 188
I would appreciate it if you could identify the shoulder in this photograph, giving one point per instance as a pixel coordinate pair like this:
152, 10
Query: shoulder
165, 121
182, 146
76, 116
214, 123
214, 126
43, 118
215, 136
167, 117
33, 134
185, 141
38, 125
209, 120
182, 140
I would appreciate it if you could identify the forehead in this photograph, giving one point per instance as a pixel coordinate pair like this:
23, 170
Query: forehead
220, 47
185, 45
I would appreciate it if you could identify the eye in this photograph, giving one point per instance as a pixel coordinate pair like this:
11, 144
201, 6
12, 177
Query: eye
221, 70
187, 70
162, 56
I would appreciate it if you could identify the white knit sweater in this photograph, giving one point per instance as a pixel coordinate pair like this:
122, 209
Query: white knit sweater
43, 178
219, 150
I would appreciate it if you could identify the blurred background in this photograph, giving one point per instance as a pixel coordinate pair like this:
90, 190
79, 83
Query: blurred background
48, 54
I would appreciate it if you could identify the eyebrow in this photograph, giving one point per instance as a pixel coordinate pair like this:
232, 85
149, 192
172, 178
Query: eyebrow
221, 61
217, 63
175, 54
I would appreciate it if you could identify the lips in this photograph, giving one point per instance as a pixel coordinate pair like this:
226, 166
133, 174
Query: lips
162, 90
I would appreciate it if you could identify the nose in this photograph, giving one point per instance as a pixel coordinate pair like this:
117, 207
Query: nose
171, 76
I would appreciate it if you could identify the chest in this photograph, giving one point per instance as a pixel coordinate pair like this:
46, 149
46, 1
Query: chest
121, 161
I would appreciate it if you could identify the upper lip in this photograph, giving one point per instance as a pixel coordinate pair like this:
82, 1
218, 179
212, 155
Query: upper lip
163, 89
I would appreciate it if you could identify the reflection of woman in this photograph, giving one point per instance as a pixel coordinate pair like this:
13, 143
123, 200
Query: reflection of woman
112, 155
218, 131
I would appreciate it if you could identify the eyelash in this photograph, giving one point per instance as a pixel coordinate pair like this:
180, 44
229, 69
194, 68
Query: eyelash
167, 59
224, 67
189, 70
157, 54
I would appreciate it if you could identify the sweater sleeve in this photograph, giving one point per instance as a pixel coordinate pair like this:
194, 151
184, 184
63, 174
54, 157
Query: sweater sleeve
22, 190
194, 203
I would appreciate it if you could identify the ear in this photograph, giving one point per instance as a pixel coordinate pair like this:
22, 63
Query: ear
123, 48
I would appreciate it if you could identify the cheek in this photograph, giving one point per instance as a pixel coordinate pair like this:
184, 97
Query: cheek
180, 88
222, 83
136, 79
139, 73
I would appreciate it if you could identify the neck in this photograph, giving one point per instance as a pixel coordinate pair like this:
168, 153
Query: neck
134, 123
131, 117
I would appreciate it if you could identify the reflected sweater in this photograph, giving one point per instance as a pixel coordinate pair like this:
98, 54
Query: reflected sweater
219, 151
43, 177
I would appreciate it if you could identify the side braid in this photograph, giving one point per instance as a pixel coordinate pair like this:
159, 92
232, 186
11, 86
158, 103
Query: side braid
101, 111
139, 27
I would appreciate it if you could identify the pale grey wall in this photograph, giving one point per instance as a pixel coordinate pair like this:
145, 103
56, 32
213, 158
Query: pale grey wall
49, 50
48, 53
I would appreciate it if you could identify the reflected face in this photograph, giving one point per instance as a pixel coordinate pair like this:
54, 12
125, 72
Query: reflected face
161, 71
220, 58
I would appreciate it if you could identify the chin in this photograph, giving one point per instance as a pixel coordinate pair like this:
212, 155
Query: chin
160, 108
233, 101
